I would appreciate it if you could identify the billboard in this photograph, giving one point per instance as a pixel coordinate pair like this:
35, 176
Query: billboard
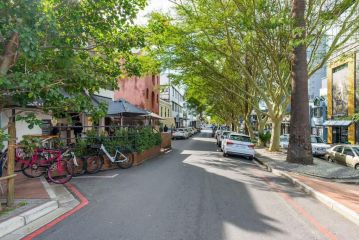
340, 90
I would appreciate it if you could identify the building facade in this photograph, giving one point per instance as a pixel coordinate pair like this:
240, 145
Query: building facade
343, 97
143, 92
318, 116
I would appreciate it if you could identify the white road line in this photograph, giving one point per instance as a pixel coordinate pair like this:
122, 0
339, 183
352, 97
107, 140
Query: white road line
113, 176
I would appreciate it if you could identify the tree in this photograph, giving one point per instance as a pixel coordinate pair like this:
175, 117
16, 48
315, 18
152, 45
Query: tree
300, 148
217, 41
52, 47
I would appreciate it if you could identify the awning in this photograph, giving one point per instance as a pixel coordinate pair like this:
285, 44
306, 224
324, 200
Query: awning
339, 123
153, 115
124, 108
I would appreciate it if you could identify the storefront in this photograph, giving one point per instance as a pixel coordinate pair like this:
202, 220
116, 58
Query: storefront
343, 98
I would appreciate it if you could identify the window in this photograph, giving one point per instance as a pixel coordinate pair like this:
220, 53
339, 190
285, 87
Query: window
338, 149
158, 99
161, 111
153, 99
147, 93
318, 112
316, 139
240, 138
153, 79
348, 151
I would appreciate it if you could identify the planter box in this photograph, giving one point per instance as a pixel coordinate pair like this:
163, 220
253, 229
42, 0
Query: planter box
140, 158
166, 140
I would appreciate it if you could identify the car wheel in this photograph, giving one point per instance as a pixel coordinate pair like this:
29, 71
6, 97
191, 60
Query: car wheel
225, 154
356, 167
330, 159
251, 158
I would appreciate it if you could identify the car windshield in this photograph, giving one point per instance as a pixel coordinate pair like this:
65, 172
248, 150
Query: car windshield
240, 138
356, 150
284, 139
316, 139
226, 133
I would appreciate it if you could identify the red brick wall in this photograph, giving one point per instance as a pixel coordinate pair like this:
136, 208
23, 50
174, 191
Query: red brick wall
140, 91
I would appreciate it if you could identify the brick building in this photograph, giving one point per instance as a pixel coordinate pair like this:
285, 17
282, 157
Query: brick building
142, 92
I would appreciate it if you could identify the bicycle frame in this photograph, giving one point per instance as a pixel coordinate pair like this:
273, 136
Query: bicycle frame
113, 158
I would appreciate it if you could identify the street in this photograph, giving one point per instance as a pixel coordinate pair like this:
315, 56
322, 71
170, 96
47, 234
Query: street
194, 193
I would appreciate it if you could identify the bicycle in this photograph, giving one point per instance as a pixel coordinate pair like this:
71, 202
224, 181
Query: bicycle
59, 165
119, 158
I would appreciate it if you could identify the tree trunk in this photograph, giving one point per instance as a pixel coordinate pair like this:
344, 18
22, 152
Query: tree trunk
261, 125
11, 160
249, 128
275, 138
9, 56
300, 149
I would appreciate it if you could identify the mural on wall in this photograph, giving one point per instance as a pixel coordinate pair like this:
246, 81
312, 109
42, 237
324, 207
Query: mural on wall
340, 90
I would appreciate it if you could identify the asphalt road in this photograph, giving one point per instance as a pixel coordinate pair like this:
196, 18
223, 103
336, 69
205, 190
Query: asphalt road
194, 193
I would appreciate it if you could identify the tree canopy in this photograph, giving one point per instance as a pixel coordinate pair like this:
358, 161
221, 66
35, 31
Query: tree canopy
239, 52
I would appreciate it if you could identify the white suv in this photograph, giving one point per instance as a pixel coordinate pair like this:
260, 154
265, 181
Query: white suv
180, 133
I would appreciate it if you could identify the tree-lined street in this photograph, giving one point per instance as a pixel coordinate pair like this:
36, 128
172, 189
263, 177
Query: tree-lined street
193, 192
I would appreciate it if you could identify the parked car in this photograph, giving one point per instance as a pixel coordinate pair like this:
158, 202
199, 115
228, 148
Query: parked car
180, 133
319, 148
284, 141
225, 136
222, 136
238, 144
344, 154
189, 130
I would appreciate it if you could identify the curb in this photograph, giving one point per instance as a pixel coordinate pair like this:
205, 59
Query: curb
334, 205
44, 228
27, 217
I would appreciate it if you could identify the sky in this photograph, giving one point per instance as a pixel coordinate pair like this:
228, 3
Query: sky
153, 5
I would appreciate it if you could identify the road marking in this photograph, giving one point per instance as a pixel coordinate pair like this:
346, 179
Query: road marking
86, 177
83, 203
299, 209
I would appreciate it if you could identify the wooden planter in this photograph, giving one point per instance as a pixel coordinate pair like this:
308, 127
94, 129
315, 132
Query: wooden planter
166, 140
140, 158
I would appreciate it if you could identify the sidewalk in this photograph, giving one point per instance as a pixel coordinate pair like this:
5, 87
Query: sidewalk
32, 201
319, 180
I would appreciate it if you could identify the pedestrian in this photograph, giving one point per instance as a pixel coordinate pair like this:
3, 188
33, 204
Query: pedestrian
165, 129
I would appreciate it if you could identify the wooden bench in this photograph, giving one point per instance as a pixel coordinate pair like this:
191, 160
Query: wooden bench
3, 179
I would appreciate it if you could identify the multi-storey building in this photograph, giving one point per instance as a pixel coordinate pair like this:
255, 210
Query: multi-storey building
174, 96
142, 92
343, 96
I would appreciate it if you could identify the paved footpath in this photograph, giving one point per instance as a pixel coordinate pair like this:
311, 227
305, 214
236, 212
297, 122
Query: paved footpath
194, 193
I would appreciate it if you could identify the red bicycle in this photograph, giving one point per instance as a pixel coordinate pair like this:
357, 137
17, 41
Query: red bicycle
57, 164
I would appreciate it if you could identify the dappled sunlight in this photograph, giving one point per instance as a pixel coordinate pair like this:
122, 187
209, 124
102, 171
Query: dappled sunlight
199, 152
204, 139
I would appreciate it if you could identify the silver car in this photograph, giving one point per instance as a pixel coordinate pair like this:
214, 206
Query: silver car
344, 154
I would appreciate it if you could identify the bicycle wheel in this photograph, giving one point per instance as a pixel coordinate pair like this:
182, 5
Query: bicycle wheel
79, 168
125, 164
32, 170
94, 163
59, 172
